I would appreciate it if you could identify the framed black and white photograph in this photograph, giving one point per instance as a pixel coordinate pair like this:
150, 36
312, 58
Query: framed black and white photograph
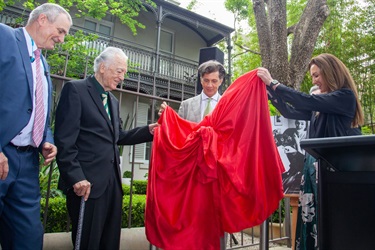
287, 134
277, 121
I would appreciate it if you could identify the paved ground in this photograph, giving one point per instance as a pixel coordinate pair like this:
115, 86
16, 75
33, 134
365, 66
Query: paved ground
246, 240
135, 239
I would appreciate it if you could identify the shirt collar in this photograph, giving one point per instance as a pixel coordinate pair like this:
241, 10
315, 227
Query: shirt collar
98, 86
214, 97
31, 46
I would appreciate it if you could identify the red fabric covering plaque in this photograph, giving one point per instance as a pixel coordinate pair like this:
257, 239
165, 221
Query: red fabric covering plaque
220, 175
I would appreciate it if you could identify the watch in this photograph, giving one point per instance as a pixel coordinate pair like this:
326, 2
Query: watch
273, 83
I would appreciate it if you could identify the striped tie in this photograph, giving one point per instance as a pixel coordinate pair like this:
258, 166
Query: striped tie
39, 119
208, 107
105, 103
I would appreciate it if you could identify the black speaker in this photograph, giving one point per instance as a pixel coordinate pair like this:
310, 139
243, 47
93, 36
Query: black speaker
206, 54
211, 53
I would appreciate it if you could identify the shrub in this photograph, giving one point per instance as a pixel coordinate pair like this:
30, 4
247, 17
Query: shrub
57, 220
127, 174
279, 215
137, 213
57, 215
45, 176
126, 189
140, 186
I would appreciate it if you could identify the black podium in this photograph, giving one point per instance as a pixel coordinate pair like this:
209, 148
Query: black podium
346, 191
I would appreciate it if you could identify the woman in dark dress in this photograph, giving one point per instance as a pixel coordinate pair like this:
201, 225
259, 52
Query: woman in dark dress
336, 111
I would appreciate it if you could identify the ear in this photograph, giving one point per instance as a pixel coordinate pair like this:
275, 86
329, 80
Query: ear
102, 68
42, 19
221, 81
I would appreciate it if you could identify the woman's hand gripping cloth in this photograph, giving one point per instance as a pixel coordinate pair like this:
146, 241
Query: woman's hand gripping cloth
220, 175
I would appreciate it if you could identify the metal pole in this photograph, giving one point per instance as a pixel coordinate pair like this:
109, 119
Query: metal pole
264, 236
47, 196
287, 221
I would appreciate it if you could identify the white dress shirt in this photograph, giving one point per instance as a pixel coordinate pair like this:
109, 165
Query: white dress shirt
214, 101
24, 138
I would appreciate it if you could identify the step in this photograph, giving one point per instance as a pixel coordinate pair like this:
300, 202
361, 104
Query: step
131, 238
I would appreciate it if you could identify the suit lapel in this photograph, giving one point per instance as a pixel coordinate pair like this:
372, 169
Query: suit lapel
98, 102
196, 109
22, 46
115, 114
49, 83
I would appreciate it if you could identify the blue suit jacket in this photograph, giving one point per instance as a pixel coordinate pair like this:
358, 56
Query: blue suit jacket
16, 86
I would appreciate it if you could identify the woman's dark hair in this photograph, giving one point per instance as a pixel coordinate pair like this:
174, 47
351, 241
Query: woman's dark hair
337, 76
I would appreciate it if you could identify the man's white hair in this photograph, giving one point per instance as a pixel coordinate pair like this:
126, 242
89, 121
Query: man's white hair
51, 10
107, 57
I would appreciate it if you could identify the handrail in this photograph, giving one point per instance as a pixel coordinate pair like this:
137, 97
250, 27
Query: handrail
141, 58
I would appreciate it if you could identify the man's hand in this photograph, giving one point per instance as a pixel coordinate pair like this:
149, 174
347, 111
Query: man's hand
49, 152
82, 188
4, 167
152, 127
163, 106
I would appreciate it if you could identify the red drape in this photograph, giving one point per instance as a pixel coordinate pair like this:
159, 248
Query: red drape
220, 175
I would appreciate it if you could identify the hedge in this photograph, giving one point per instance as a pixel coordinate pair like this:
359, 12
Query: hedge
57, 215
57, 219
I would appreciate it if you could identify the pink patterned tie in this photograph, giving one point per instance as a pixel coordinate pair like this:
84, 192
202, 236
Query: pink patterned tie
39, 119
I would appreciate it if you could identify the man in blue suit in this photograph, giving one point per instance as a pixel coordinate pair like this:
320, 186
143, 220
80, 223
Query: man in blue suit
25, 101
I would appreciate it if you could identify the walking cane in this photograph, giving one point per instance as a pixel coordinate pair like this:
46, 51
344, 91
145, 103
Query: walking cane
80, 223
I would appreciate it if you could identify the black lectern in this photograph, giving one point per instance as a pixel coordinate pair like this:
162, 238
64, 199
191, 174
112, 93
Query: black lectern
346, 191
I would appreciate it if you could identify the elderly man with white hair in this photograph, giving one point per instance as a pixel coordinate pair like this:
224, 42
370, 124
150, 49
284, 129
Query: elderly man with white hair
87, 132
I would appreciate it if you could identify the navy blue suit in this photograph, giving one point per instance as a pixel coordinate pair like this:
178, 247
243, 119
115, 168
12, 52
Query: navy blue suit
19, 192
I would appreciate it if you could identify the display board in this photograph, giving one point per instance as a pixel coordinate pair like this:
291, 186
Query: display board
288, 134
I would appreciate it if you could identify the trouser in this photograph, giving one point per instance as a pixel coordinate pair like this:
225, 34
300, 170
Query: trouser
20, 223
101, 227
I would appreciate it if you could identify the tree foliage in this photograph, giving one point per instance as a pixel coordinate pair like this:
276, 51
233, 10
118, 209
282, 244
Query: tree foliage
125, 10
75, 56
192, 5
286, 43
349, 34
286, 33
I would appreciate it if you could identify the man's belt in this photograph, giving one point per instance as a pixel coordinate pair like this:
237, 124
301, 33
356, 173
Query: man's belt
23, 148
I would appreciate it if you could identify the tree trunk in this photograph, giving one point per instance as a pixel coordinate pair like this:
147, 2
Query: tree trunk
271, 23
